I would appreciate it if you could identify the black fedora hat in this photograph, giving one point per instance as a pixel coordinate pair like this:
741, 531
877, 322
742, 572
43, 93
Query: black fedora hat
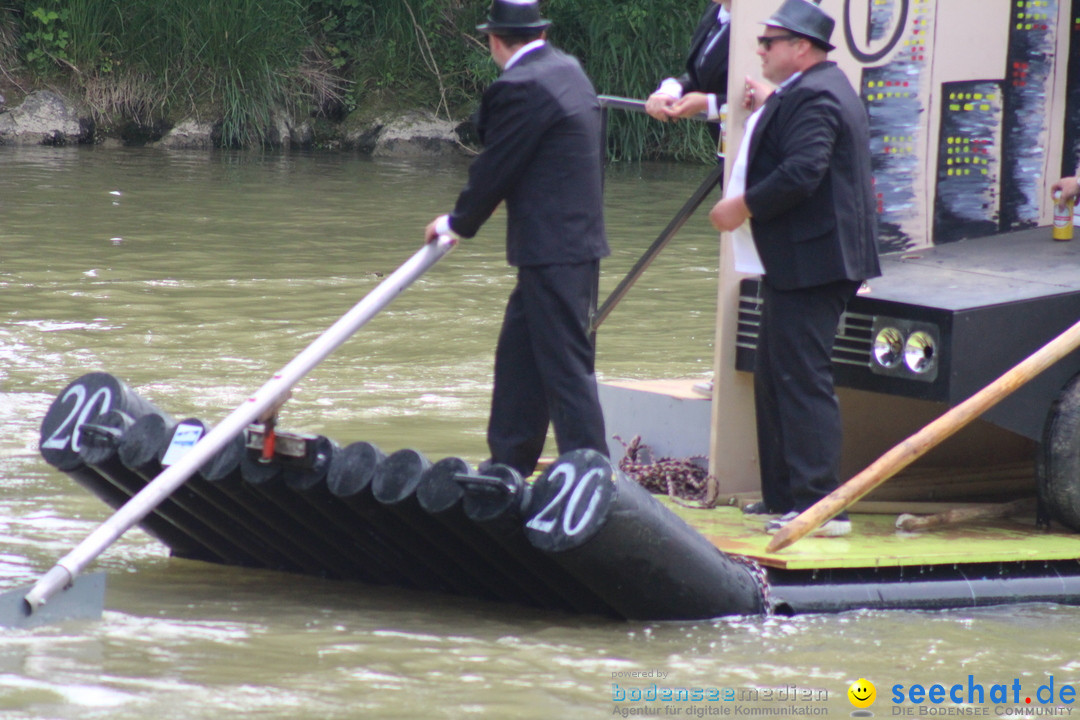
514, 16
804, 18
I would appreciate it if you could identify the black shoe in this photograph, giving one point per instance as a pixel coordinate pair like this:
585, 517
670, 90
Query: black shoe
757, 508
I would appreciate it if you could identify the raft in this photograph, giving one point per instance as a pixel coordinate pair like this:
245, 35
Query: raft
581, 538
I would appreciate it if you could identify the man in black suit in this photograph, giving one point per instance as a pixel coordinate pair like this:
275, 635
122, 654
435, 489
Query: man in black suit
809, 202
540, 124
703, 87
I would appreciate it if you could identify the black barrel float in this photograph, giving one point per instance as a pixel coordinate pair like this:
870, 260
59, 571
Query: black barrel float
354, 553
440, 496
394, 487
310, 482
643, 559
82, 400
253, 510
141, 449
349, 480
61, 429
497, 503
188, 535
85, 399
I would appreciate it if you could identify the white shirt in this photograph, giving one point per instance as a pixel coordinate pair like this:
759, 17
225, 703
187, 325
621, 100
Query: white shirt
527, 47
747, 259
742, 237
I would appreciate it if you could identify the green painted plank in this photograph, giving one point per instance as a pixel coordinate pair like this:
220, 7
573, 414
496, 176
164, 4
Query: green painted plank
874, 542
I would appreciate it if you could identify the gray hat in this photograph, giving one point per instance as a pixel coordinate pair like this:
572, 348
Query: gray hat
514, 16
804, 18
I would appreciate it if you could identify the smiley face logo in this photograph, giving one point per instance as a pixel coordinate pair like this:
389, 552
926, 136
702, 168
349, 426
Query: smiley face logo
862, 693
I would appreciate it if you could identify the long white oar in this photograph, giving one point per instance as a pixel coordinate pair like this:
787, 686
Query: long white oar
135, 509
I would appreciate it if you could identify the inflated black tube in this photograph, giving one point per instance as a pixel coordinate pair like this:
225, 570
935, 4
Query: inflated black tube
349, 480
143, 442
61, 436
98, 450
648, 564
142, 449
306, 477
311, 485
192, 429
501, 515
497, 495
440, 496
194, 498
394, 487
351, 556
261, 516
437, 492
184, 510
83, 399
929, 588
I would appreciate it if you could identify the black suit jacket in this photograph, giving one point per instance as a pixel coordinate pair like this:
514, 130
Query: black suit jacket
541, 129
707, 73
809, 185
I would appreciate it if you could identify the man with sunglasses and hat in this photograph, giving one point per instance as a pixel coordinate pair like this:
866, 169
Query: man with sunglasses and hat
808, 198
540, 123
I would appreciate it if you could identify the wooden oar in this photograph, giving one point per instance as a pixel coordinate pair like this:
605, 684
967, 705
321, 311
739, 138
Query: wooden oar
273, 392
921, 442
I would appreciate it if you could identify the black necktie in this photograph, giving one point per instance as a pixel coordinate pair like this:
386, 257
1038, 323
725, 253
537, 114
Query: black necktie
710, 41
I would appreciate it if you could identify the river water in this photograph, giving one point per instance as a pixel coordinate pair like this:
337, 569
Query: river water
193, 277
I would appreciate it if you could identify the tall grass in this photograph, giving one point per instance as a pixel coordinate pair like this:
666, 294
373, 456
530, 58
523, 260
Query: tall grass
241, 60
8, 37
421, 52
237, 57
627, 47
429, 52
92, 25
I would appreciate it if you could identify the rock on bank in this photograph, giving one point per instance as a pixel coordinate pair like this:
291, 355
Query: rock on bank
45, 117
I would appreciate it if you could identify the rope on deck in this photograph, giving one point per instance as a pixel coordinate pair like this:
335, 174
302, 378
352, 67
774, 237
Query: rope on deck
686, 481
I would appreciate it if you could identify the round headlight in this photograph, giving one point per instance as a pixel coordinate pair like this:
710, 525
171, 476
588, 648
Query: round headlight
920, 353
888, 347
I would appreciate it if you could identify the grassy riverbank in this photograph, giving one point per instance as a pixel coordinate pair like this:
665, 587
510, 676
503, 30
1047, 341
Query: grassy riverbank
154, 62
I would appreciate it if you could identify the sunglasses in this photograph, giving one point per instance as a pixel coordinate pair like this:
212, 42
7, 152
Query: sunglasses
766, 41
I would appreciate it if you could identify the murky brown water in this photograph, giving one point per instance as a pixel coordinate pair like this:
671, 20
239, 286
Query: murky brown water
193, 277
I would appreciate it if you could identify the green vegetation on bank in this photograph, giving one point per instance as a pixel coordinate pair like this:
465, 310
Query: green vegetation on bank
153, 61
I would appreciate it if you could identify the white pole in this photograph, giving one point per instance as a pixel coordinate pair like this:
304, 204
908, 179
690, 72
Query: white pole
139, 506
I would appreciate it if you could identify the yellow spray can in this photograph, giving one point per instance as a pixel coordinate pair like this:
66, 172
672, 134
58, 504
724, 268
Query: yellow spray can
1063, 218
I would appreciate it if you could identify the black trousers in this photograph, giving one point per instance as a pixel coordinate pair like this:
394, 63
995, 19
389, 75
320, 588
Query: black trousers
798, 415
544, 367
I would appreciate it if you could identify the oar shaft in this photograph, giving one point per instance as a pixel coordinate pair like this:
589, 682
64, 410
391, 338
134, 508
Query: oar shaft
658, 244
144, 502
